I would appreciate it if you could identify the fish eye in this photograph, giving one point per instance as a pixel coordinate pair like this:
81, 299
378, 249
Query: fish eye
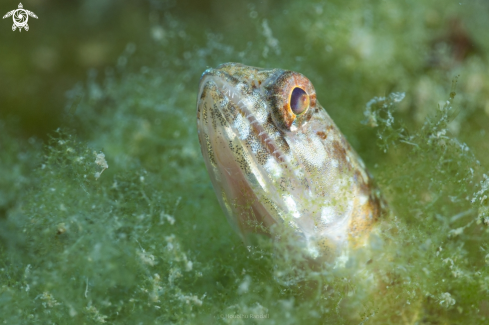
299, 101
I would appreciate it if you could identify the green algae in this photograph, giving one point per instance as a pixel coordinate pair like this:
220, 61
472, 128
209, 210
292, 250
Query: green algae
115, 220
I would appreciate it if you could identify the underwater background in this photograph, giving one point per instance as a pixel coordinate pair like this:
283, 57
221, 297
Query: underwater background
107, 214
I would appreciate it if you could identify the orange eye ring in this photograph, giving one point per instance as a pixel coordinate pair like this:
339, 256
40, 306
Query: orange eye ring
292, 99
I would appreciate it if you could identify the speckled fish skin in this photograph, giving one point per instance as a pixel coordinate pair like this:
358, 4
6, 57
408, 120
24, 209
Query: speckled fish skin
270, 165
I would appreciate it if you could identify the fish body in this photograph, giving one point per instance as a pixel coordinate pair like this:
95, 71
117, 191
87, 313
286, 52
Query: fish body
275, 157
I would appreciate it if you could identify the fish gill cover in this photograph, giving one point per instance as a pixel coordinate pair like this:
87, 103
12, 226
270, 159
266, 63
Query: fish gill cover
113, 220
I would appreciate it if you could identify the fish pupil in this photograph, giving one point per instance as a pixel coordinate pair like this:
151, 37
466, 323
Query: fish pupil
299, 101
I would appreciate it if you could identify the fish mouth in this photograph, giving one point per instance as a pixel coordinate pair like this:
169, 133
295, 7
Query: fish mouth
236, 144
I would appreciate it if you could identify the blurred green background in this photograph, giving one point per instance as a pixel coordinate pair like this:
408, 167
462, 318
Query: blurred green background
144, 241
